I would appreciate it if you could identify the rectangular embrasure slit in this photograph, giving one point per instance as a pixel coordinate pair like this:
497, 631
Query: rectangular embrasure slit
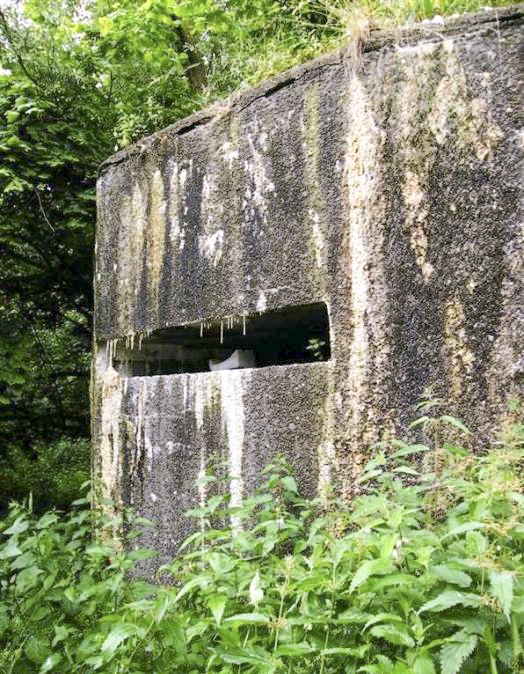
297, 334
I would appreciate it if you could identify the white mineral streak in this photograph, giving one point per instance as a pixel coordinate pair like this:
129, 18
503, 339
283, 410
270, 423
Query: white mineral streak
177, 233
417, 211
212, 246
212, 215
432, 108
198, 398
454, 107
458, 354
182, 177
309, 125
156, 236
140, 429
138, 229
318, 239
365, 207
232, 407
417, 148
261, 304
110, 451
256, 199
229, 154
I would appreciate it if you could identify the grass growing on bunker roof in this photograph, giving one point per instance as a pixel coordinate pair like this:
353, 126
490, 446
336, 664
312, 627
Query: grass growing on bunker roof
305, 29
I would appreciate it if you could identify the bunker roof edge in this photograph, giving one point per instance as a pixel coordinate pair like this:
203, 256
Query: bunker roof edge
402, 35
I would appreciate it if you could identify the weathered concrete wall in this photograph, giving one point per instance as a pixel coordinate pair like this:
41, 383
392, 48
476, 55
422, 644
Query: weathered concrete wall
388, 191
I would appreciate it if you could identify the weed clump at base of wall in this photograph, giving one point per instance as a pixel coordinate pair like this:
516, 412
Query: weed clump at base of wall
424, 574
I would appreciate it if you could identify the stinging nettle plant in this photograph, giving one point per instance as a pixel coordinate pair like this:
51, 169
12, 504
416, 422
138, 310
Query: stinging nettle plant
423, 574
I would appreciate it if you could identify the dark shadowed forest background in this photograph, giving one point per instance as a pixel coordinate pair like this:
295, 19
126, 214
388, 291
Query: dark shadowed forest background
78, 81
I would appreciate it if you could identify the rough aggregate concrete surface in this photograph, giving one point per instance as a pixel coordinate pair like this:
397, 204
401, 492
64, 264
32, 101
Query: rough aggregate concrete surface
388, 189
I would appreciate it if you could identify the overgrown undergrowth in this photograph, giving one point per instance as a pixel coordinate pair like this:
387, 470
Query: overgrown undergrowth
423, 574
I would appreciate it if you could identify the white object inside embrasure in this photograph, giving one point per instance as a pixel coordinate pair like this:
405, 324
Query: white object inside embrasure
240, 358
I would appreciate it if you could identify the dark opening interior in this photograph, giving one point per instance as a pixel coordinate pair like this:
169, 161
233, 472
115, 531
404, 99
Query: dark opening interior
298, 334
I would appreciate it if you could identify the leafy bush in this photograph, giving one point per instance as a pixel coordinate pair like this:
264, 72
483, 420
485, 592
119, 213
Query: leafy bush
423, 574
53, 473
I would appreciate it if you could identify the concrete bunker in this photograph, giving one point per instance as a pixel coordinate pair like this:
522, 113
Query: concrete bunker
370, 212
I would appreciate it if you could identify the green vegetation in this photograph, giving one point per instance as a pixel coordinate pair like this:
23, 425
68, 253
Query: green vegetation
424, 575
77, 82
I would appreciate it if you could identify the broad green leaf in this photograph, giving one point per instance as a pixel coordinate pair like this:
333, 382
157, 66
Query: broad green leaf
10, 550
517, 605
20, 525
502, 588
256, 593
385, 666
406, 470
423, 665
462, 528
174, 635
290, 483
382, 617
395, 634
450, 575
243, 656
248, 618
407, 450
190, 585
453, 653
37, 650
353, 615
448, 599
357, 652
295, 649
217, 604
119, 633
367, 569
196, 629
27, 578
25, 560
515, 633
455, 422
50, 663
